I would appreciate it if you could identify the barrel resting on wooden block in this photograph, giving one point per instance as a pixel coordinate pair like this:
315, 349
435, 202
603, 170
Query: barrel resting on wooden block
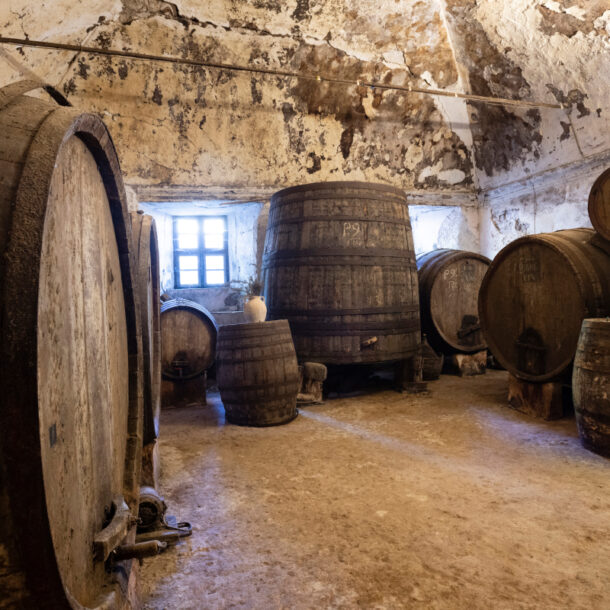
183, 393
466, 365
409, 375
542, 400
312, 376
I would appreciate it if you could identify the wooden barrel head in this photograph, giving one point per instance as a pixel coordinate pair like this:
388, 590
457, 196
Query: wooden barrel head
70, 412
599, 205
188, 339
449, 284
82, 356
535, 296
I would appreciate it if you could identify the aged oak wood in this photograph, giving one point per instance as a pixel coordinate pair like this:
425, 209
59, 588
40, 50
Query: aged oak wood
149, 292
257, 373
544, 400
71, 400
188, 339
591, 385
534, 297
339, 265
449, 284
146, 251
599, 205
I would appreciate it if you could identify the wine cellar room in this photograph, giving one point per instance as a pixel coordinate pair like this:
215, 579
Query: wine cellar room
305, 304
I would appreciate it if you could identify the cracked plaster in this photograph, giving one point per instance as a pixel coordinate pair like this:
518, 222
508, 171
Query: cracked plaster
198, 130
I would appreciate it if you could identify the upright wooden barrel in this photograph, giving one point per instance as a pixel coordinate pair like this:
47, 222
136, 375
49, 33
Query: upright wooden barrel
339, 264
591, 385
146, 249
449, 284
71, 400
257, 373
188, 340
599, 205
535, 296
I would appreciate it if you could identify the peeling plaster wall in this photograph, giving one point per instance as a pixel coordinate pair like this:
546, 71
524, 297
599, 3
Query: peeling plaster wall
551, 202
179, 127
544, 50
437, 227
535, 167
195, 133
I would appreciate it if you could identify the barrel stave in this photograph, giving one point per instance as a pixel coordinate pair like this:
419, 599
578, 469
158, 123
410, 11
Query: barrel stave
449, 284
66, 294
257, 373
339, 266
534, 297
591, 385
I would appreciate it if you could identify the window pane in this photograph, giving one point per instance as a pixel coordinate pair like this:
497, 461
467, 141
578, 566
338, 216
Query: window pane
189, 278
187, 225
189, 262
214, 262
214, 277
214, 241
214, 225
188, 241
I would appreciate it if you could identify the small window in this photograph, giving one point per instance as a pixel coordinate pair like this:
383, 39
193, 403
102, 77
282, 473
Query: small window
200, 251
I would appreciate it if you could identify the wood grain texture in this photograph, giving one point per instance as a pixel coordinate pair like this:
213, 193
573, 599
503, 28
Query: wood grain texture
188, 339
146, 250
591, 385
541, 400
599, 205
449, 284
534, 297
257, 373
339, 265
70, 410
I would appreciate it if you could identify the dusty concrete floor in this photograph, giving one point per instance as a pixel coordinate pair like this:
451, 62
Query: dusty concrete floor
450, 500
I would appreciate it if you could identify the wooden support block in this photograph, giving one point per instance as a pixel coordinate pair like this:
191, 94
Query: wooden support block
313, 375
542, 400
183, 393
151, 467
432, 363
466, 365
409, 375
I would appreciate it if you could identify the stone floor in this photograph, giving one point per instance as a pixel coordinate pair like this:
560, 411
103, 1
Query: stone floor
384, 500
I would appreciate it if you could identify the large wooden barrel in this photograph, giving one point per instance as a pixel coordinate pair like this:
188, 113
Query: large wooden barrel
535, 296
339, 264
146, 249
599, 205
257, 373
188, 340
71, 400
449, 284
591, 385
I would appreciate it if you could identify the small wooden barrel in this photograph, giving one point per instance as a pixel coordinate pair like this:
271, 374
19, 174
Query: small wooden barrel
188, 340
149, 292
591, 385
257, 373
449, 284
70, 355
535, 296
339, 264
599, 205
